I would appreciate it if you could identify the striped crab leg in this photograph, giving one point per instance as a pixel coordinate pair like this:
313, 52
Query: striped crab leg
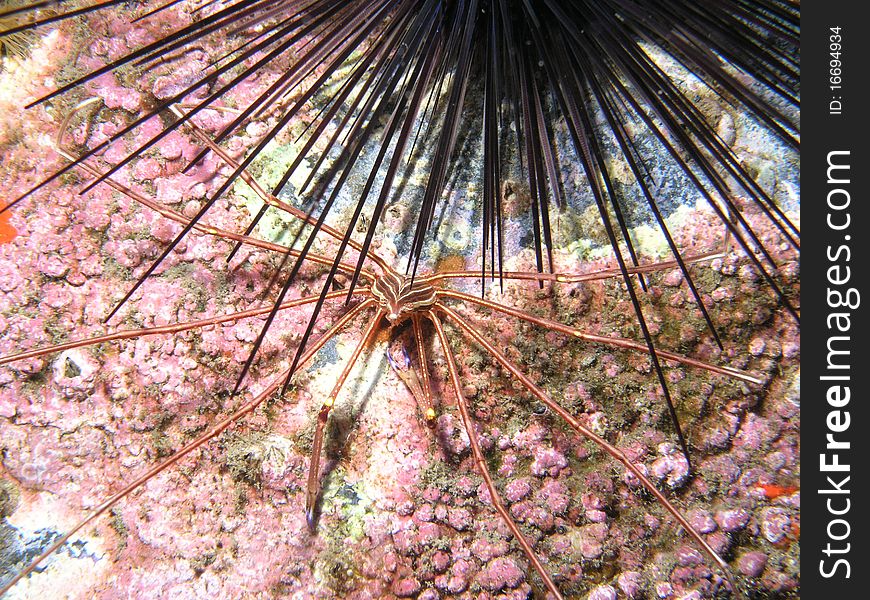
602, 443
468, 423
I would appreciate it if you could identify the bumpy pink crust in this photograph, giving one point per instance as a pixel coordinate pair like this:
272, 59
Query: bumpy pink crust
404, 513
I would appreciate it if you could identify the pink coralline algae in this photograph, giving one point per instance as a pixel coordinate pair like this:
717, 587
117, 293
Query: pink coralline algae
671, 467
630, 583
732, 520
499, 574
404, 512
603, 592
752, 564
548, 462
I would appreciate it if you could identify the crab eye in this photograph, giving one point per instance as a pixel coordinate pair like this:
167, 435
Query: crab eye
403, 361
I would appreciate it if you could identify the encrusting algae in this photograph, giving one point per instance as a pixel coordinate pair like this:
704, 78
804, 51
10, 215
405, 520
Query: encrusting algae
404, 511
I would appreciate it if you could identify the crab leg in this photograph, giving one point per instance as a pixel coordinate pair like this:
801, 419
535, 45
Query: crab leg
481, 463
271, 199
579, 277
203, 228
424, 372
127, 334
600, 339
404, 368
609, 448
639, 271
313, 486
247, 408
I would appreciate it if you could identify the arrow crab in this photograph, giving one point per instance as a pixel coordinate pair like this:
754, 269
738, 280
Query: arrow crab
468, 452
85, 428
